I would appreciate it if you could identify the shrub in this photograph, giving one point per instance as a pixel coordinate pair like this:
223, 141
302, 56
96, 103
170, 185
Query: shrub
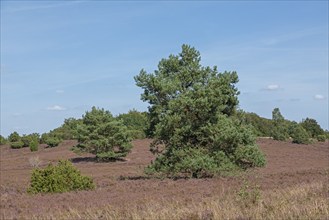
103, 135
109, 156
53, 141
14, 137
249, 156
17, 144
28, 139
34, 145
321, 138
191, 116
3, 140
299, 135
312, 127
63, 177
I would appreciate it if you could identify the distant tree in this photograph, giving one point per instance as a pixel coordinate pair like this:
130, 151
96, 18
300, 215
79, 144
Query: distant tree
67, 131
277, 116
3, 140
190, 115
262, 126
279, 130
136, 122
312, 127
14, 137
298, 134
103, 135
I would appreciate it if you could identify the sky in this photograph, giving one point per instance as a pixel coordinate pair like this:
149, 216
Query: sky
60, 58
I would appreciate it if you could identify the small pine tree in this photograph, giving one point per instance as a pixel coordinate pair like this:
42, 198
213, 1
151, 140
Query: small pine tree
34, 145
103, 135
279, 129
14, 137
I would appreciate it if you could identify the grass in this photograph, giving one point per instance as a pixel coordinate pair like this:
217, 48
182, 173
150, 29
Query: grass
305, 201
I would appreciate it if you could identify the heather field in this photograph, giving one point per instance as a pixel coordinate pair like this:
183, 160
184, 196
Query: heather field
293, 185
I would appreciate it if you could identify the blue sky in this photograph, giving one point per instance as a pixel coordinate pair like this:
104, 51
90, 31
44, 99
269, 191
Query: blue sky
60, 58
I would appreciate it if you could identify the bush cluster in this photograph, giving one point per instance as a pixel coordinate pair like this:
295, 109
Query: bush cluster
63, 177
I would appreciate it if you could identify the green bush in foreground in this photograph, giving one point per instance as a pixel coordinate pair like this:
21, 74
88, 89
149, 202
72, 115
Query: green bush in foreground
61, 178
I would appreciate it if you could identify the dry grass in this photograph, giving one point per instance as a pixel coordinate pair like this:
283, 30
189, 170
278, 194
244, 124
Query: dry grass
35, 161
306, 201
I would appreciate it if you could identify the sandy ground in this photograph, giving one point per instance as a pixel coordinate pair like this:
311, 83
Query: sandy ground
287, 165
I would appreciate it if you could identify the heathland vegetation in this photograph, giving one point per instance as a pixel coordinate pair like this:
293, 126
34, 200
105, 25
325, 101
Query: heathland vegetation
197, 131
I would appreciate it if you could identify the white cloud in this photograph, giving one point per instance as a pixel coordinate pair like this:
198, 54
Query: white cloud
272, 87
319, 97
56, 108
59, 91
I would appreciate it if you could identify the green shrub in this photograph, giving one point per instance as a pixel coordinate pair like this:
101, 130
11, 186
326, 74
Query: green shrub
109, 156
299, 135
63, 177
34, 145
3, 140
137, 134
249, 156
312, 127
53, 141
17, 144
28, 139
14, 137
190, 162
321, 138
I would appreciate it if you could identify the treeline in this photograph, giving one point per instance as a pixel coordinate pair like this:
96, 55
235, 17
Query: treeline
136, 124
139, 127
279, 128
